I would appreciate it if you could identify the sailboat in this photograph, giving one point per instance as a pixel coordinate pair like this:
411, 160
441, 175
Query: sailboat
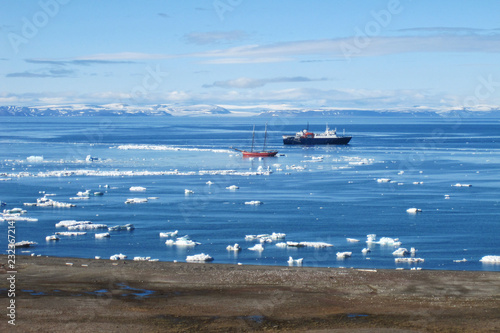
261, 153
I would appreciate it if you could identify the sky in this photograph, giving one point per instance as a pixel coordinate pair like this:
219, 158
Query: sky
391, 54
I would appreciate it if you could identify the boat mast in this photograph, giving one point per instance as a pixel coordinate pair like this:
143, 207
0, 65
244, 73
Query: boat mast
265, 138
253, 136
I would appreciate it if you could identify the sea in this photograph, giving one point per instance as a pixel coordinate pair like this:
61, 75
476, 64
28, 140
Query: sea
326, 200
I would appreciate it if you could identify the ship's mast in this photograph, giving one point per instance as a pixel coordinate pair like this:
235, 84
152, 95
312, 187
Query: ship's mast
265, 138
253, 136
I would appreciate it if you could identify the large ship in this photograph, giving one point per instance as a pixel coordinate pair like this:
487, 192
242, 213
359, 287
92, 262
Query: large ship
258, 153
304, 137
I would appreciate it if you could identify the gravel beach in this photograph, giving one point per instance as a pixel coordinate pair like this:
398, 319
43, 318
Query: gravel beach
86, 295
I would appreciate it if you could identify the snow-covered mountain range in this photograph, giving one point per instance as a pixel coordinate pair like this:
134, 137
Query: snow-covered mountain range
117, 109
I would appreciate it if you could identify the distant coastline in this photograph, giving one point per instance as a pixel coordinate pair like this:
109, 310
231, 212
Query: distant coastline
167, 110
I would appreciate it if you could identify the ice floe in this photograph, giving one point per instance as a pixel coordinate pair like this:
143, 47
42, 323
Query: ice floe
169, 148
24, 244
236, 247
365, 250
52, 238
118, 257
71, 233
461, 185
46, 202
408, 260
102, 235
182, 241
352, 240
232, 187
297, 262
400, 252
142, 258
202, 257
169, 234
371, 239
186, 191
413, 210
343, 255
383, 180
137, 189
490, 259
125, 227
33, 159
136, 200
256, 247
307, 244
90, 226
253, 202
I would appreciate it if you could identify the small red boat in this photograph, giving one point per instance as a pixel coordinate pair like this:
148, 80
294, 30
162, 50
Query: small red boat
261, 153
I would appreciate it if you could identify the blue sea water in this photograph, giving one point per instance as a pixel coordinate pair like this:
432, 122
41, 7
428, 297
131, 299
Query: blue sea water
319, 193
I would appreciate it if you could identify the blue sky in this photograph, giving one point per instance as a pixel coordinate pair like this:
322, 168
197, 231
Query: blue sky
340, 54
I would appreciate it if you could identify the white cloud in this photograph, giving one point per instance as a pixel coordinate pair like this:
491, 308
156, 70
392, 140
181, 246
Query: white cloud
245, 82
215, 37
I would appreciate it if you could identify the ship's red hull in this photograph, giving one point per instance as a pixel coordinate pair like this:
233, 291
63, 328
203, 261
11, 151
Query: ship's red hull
259, 153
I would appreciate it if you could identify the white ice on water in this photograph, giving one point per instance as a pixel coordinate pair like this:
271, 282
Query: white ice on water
202, 257
490, 259
343, 255
169, 234
102, 235
137, 189
256, 247
136, 200
253, 202
236, 247
297, 262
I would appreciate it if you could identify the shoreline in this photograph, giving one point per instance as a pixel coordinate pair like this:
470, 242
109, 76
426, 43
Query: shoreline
92, 295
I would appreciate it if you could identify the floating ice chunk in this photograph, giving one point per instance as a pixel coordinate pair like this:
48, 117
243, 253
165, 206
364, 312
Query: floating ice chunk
182, 241
24, 244
365, 250
413, 210
118, 257
400, 252
232, 187
52, 238
33, 159
186, 191
401, 172
209, 183
292, 261
256, 247
462, 185
371, 238
461, 260
255, 203
418, 183
446, 196
127, 227
102, 235
408, 260
202, 257
281, 244
71, 233
136, 200
352, 240
83, 194
169, 234
69, 223
277, 235
97, 257
89, 158
15, 211
383, 180
46, 202
137, 189
89, 226
308, 244
413, 251
490, 259
79, 198
236, 247
142, 258
389, 241
343, 255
